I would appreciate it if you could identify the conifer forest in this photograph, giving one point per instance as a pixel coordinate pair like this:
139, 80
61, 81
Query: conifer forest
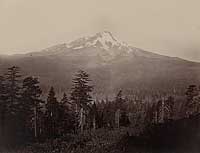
79, 122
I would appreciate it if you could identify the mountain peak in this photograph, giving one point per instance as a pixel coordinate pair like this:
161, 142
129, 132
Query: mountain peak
104, 40
106, 35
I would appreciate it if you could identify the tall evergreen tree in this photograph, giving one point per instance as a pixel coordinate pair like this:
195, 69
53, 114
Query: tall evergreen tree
121, 116
169, 107
66, 116
80, 95
119, 100
81, 90
63, 114
191, 104
52, 114
13, 92
13, 88
191, 92
31, 103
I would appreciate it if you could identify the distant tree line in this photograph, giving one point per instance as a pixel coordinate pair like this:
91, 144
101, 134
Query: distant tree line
26, 117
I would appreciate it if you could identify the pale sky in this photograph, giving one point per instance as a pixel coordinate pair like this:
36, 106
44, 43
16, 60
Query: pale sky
169, 27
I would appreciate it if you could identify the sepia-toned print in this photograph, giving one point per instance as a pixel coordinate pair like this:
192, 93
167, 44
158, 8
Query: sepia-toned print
99, 76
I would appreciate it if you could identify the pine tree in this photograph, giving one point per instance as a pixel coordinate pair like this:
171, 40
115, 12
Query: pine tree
31, 103
119, 100
169, 107
119, 106
64, 100
191, 92
52, 114
109, 114
191, 104
65, 116
81, 90
80, 95
13, 89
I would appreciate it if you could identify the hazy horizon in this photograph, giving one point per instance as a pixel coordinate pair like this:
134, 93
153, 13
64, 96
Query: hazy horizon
169, 27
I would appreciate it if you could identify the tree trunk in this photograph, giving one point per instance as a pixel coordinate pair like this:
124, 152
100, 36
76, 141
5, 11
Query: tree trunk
162, 111
35, 122
94, 122
81, 120
117, 118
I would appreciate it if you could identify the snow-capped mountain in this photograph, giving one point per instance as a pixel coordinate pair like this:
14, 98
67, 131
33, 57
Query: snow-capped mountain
104, 40
103, 44
112, 64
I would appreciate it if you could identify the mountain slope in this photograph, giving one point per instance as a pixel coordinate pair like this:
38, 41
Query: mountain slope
112, 64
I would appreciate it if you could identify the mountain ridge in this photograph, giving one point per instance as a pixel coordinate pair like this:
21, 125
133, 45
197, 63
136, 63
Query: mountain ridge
71, 45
